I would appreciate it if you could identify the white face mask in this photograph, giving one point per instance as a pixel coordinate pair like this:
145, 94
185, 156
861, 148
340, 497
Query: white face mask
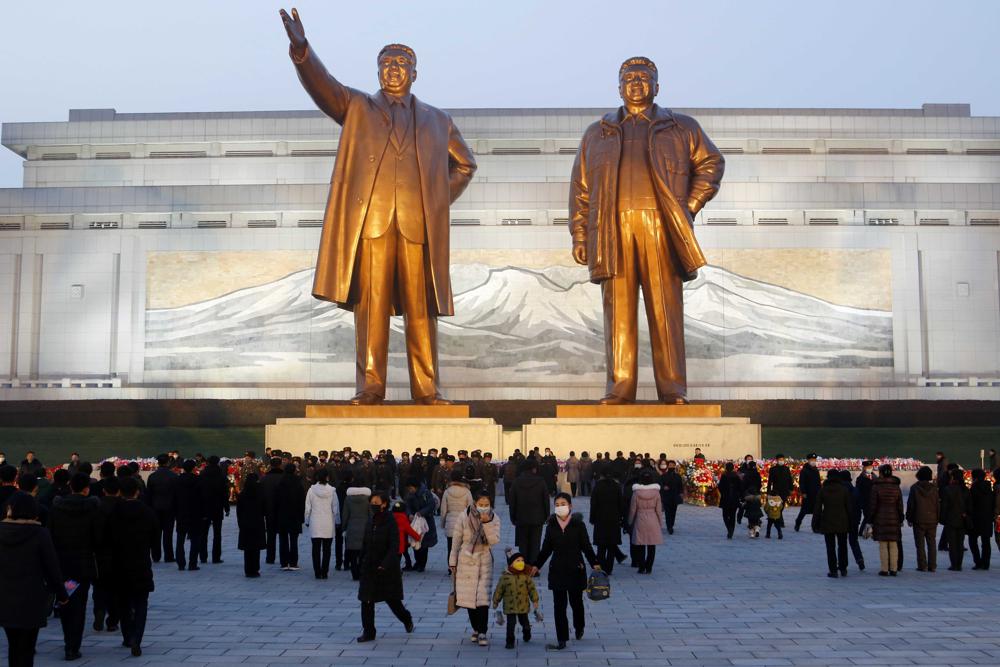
483, 510
562, 511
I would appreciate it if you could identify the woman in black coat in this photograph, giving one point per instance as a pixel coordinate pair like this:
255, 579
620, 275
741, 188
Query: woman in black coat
290, 514
567, 542
606, 509
730, 493
29, 577
381, 579
250, 519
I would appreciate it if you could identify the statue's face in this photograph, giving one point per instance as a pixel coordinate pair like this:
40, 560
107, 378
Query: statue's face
396, 72
637, 85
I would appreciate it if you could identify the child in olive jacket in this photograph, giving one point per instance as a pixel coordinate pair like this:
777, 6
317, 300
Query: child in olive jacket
517, 591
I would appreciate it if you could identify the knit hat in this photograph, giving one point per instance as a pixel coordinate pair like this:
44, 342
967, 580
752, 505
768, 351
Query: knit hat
513, 556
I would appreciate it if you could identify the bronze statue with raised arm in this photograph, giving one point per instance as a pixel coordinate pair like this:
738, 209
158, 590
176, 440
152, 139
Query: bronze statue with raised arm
640, 176
385, 243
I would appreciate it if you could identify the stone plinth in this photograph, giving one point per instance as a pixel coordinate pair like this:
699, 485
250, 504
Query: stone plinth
636, 410
390, 411
718, 437
372, 433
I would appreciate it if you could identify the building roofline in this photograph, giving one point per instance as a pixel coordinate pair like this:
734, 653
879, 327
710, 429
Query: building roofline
958, 110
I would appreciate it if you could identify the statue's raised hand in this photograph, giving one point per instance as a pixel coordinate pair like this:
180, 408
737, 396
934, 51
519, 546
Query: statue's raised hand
293, 26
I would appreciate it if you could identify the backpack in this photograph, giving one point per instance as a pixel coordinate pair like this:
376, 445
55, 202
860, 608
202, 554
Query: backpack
598, 586
774, 507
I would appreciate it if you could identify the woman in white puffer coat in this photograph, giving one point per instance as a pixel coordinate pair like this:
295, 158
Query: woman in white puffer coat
471, 562
454, 501
322, 516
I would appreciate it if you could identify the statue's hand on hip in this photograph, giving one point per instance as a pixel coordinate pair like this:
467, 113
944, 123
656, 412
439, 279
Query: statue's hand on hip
580, 253
293, 26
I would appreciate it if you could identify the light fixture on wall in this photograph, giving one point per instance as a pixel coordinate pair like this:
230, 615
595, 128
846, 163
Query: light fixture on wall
961, 289
76, 292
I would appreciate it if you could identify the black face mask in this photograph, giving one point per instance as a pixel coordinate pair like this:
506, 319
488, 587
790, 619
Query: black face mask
376, 509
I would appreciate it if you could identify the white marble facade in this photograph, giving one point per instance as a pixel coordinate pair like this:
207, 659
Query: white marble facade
854, 254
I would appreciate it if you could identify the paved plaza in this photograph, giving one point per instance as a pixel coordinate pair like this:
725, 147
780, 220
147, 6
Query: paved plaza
709, 601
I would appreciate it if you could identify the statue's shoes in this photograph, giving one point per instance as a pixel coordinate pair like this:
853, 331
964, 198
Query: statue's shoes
366, 398
676, 399
612, 399
436, 399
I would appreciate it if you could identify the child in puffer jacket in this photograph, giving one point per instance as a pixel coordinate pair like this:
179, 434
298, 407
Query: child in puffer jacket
517, 591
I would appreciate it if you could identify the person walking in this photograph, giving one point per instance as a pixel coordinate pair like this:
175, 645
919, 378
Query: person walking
529, 509
406, 532
573, 473
289, 513
923, 511
380, 577
730, 494
131, 533
864, 485
161, 494
322, 514
354, 516
509, 473
956, 510
832, 517
779, 479
454, 502
517, 590
268, 491
567, 543
420, 502
983, 515
105, 612
809, 487
190, 516
671, 492
586, 474
607, 506
250, 521
645, 516
887, 519
470, 562
852, 527
215, 490
29, 576
75, 524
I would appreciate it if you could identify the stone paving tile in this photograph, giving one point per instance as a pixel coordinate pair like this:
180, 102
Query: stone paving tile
710, 602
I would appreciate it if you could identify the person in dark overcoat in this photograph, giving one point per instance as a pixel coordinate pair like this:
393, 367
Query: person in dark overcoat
730, 494
190, 515
268, 488
250, 520
215, 488
923, 511
956, 511
779, 479
161, 494
809, 486
381, 579
105, 613
29, 576
887, 519
671, 492
132, 532
983, 515
568, 544
607, 505
290, 514
832, 517
74, 524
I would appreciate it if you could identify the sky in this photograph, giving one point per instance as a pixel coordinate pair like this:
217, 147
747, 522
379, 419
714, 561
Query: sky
231, 55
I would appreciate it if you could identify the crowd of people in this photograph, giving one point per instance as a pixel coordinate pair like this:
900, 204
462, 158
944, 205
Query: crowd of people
64, 532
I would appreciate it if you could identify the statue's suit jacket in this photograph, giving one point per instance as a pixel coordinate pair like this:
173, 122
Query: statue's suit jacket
446, 167
686, 169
